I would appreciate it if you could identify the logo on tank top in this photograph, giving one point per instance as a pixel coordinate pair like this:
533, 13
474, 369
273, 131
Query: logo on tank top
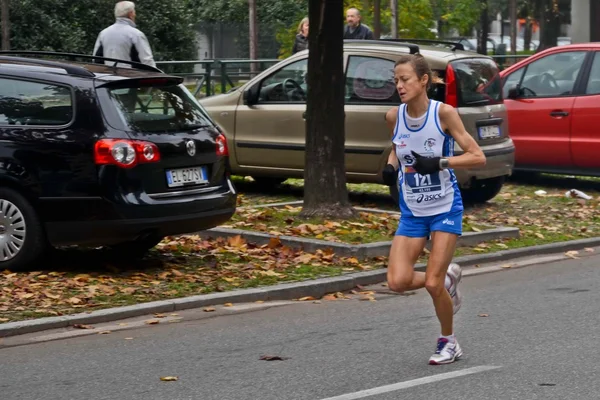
429, 144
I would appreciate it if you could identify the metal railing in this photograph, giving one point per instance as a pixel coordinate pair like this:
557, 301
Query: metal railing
220, 71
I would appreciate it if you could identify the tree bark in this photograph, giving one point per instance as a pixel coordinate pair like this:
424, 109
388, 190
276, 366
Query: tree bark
253, 33
5, 22
485, 23
513, 26
394, 8
549, 25
325, 192
376, 19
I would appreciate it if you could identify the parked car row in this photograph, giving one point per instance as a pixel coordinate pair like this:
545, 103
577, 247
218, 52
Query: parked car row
97, 155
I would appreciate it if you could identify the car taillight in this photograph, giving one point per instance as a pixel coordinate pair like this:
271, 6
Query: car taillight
451, 90
221, 142
125, 153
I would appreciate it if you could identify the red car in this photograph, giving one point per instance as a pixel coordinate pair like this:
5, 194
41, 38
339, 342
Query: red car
553, 104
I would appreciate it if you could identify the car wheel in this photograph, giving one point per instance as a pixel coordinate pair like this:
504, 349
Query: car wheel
268, 182
483, 190
136, 248
22, 237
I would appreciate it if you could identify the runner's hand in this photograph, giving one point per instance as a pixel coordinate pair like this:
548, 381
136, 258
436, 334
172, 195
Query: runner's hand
426, 165
390, 175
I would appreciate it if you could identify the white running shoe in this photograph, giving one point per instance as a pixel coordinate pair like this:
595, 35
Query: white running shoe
455, 275
446, 352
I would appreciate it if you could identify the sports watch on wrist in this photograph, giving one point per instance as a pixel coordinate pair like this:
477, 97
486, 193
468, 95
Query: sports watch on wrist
444, 163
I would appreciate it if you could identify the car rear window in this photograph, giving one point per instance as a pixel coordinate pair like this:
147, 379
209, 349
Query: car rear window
478, 82
159, 108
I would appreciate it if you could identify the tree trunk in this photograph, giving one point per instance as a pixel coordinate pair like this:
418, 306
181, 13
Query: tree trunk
513, 26
549, 25
325, 192
376, 19
253, 33
5, 22
394, 8
485, 28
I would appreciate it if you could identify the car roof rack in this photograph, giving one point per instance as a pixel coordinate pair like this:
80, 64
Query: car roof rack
69, 69
413, 48
453, 45
74, 56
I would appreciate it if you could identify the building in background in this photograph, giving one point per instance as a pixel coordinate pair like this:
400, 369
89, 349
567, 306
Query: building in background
587, 15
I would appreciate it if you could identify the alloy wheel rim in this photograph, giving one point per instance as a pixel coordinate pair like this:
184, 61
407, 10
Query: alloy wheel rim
12, 230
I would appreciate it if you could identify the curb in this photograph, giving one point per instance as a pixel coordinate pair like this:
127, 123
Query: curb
350, 250
287, 291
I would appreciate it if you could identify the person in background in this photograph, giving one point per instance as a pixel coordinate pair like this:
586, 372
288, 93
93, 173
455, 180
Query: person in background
122, 40
354, 29
301, 42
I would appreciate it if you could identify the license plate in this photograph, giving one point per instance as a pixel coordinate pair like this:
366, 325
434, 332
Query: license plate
186, 176
489, 132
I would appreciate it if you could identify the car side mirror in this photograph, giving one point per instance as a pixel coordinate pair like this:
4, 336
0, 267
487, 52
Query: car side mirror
251, 95
515, 92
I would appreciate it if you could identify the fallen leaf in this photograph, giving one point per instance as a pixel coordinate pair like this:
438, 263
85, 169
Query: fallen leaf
572, 254
174, 315
168, 378
104, 332
128, 338
484, 315
274, 242
259, 301
160, 315
539, 235
307, 298
208, 309
304, 258
228, 305
317, 302
329, 297
152, 322
3, 319
506, 266
82, 326
272, 358
589, 250
75, 300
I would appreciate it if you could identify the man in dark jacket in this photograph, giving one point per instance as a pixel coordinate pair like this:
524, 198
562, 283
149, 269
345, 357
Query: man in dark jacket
354, 29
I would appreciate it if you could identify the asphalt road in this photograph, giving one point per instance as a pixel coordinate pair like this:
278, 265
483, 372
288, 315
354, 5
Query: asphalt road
539, 340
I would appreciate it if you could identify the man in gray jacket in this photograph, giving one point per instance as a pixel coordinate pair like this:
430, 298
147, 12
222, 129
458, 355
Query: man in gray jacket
122, 40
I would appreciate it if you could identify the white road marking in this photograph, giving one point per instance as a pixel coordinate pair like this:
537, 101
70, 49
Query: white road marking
415, 382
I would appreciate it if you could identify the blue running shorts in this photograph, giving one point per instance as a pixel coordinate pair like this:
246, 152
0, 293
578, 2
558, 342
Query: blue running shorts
418, 227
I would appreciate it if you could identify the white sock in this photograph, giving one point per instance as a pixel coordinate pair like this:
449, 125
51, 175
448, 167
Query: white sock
447, 282
449, 338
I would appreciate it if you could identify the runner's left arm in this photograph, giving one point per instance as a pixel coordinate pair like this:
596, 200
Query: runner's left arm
473, 155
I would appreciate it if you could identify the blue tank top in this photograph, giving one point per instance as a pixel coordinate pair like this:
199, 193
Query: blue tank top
425, 195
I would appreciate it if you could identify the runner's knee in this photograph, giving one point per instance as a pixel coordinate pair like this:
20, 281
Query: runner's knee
399, 283
435, 286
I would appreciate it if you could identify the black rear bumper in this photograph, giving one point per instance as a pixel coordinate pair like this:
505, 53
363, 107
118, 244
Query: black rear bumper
98, 221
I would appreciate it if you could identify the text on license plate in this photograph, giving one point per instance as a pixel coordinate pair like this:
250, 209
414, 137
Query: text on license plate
488, 132
186, 176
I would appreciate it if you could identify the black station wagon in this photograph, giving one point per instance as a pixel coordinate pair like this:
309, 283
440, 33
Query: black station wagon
117, 155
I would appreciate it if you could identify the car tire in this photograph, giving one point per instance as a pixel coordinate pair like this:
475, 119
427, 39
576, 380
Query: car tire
135, 249
22, 236
268, 182
483, 190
